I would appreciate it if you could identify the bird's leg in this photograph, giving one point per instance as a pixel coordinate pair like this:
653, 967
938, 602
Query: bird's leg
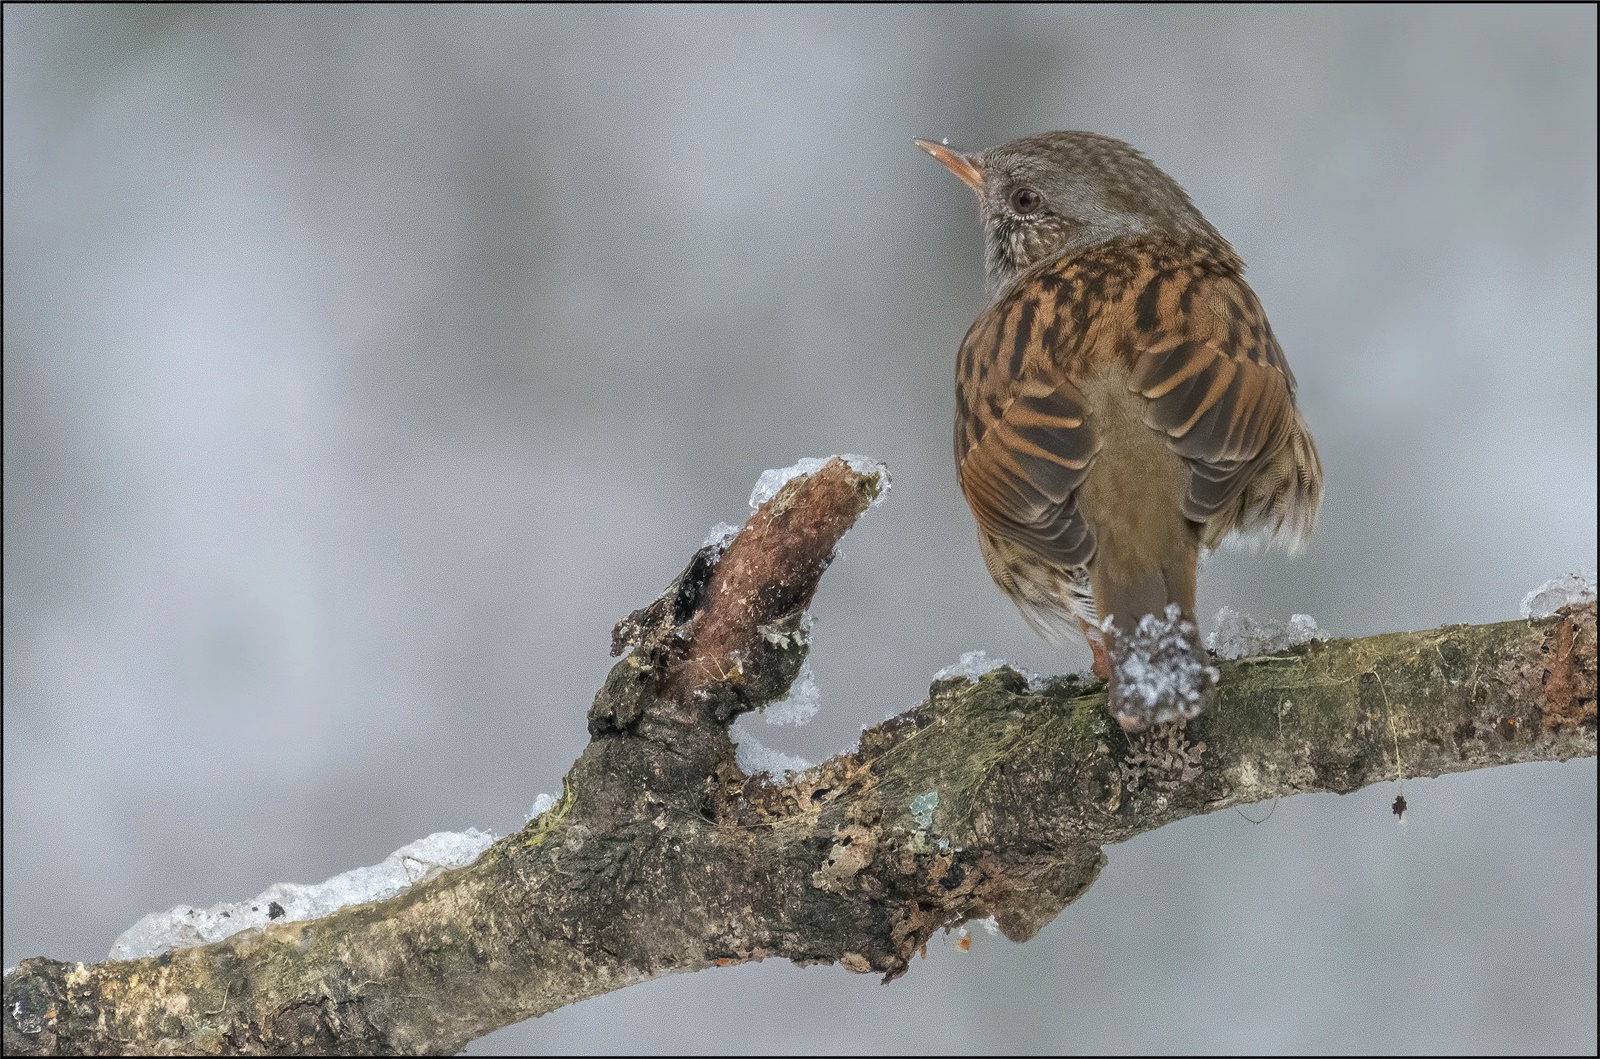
1101, 666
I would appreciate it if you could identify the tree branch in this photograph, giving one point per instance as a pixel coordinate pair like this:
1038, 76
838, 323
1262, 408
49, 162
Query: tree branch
990, 798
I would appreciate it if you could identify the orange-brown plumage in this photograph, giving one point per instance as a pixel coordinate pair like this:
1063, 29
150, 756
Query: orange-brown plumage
1122, 404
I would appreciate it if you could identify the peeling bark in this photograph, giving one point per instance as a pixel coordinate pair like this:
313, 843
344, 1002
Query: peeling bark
662, 856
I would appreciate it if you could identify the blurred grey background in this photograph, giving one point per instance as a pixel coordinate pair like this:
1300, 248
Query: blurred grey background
364, 365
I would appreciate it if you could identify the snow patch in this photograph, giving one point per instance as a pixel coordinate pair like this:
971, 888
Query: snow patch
777, 637
1158, 672
758, 759
720, 537
802, 703
1241, 636
541, 805
771, 481
1558, 592
183, 926
974, 664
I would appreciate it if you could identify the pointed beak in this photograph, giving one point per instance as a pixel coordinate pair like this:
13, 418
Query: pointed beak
969, 167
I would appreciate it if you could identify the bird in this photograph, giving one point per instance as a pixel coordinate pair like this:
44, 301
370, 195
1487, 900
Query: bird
1122, 406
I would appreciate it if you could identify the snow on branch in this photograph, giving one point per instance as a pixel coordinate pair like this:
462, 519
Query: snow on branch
664, 853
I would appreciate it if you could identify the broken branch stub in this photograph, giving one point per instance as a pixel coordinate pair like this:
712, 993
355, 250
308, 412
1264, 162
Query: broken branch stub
726, 635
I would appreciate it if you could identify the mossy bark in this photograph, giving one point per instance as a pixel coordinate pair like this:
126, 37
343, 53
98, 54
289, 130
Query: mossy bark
990, 798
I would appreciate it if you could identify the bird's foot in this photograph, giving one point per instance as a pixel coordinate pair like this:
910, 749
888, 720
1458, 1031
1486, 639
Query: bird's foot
1101, 666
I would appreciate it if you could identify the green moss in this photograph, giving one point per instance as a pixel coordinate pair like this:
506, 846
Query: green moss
541, 827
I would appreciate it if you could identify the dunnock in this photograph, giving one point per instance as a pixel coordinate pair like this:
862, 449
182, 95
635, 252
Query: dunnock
1120, 406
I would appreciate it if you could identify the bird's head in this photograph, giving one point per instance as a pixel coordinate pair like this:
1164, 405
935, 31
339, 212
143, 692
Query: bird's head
1065, 191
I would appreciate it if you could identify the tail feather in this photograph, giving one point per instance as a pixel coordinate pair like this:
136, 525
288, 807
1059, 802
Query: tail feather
1159, 671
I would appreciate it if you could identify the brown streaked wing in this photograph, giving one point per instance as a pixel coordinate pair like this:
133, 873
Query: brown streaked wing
1019, 475
1217, 383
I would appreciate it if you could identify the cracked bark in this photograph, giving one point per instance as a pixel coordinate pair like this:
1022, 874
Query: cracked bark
663, 857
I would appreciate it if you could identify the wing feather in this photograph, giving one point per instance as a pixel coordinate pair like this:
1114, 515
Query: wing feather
1199, 350
1220, 389
1021, 477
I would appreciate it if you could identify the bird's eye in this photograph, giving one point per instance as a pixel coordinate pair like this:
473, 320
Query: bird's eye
1025, 201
